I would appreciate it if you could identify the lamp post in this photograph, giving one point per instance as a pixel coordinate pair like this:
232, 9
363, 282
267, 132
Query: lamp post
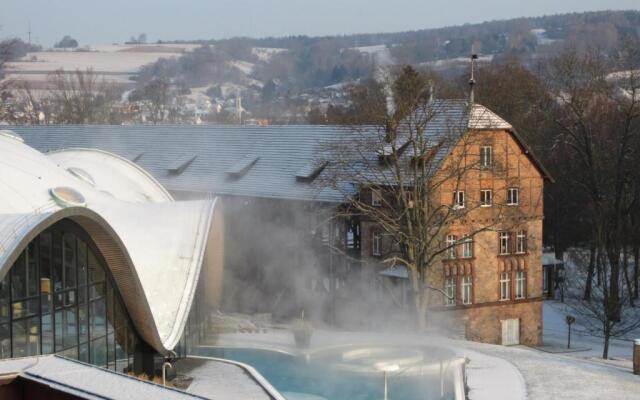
570, 321
385, 368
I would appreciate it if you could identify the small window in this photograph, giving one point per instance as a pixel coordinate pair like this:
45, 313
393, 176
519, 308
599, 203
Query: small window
486, 198
486, 156
521, 284
458, 200
376, 198
451, 246
450, 290
505, 286
521, 242
513, 196
467, 286
467, 247
376, 244
504, 242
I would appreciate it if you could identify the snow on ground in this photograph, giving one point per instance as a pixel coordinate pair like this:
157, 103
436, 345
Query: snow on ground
244, 66
380, 52
541, 36
457, 60
265, 54
499, 372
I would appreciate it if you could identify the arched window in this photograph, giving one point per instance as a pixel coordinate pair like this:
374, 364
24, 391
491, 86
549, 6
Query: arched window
59, 297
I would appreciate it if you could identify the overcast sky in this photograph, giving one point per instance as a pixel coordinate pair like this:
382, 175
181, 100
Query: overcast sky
108, 21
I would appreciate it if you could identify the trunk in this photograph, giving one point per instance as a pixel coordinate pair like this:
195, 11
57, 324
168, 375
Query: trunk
636, 258
605, 350
422, 311
590, 272
625, 265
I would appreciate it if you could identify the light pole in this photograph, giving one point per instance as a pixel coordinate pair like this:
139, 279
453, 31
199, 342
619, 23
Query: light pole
385, 368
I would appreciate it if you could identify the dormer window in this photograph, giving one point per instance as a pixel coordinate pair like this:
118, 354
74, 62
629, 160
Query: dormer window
376, 198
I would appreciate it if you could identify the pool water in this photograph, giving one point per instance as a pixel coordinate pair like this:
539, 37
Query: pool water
328, 376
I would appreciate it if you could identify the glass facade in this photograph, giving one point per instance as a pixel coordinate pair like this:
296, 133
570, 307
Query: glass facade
59, 297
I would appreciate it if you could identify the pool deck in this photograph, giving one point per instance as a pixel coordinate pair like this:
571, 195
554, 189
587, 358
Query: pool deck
221, 380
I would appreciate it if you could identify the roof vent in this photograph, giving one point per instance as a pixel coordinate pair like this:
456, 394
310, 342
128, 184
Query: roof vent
82, 175
12, 135
180, 165
241, 167
67, 197
311, 171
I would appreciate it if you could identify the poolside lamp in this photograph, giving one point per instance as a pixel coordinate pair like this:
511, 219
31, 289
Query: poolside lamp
384, 367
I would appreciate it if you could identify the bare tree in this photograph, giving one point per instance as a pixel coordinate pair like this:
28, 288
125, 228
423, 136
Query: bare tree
404, 167
81, 97
598, 118
156, 97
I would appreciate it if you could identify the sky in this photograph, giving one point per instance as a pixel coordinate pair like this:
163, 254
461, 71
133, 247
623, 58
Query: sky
111, 21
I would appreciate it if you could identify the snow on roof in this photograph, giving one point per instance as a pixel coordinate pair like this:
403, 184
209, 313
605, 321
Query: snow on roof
155, 261
483, 118
87, 381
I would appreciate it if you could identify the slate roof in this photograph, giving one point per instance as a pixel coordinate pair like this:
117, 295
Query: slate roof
282, 152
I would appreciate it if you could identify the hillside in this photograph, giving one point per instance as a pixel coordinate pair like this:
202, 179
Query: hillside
303, 69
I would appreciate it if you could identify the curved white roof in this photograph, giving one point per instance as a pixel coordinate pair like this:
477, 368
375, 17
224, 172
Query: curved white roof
154, 246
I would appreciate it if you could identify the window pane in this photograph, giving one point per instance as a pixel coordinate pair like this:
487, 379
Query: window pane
47, 334
56, 259
83, 318
98, 351
70, 326
5, 341
32, 270
96, 291
97, 318
4, 299
96, 273
84, 352
82, 263
25, 308
19, 278
45, 262
69, 260
19, 338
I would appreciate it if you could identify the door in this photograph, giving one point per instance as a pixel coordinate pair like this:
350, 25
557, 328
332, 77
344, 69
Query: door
510, 332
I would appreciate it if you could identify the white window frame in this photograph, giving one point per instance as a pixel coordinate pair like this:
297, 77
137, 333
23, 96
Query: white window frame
513, 196
505, 241
467, 290
521, 285
450, 290
451, 250
505, 286
458, 199
521, 242
486, 156
486, 198
376, 198
376, 244
467, 246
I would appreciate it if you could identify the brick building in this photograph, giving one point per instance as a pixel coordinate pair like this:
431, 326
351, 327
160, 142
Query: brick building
278, 228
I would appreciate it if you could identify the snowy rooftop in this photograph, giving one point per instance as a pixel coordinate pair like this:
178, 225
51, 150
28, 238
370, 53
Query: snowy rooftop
87, 381
119, 204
